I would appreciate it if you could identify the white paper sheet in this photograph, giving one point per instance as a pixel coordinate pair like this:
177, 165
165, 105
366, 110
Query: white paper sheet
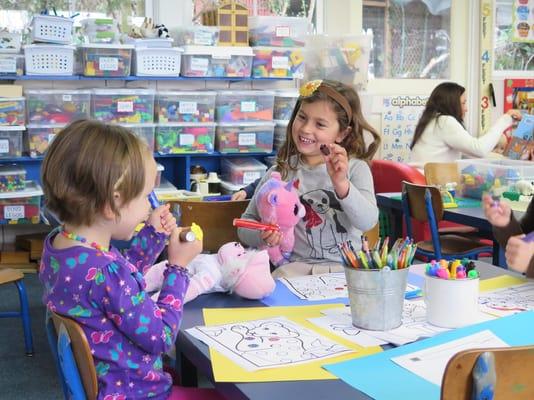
268, 343
509, 300
430, 363
318, 287
342, 326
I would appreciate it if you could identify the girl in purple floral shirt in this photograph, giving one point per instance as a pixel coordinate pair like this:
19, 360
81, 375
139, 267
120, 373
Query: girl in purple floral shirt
96, 178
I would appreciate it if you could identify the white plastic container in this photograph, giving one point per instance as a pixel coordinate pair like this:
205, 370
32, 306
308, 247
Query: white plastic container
11, 64
10, 42
198, 35
56, 106
217, 61
11, 141
157, 61
242, 171
244, 105
245, 137
12, 178
51, 29
112, 60
22, 206
277, 31
451, 303
48, 59
185, 106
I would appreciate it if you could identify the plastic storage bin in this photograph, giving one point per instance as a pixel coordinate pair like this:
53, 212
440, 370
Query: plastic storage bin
51, 29
198, 61
57, 106
242, 170
12, 178
185, 106
39, 138
159, 171
12, 111
106, 59
22, 206
244, 105
10, 42
11, 64
178, 138
277, 31
47, 59
245, 137
499, 176
284, 104
157, 61
280, 133
277, 62
129, 106
11, 141
198, 35
146, 132
100, 30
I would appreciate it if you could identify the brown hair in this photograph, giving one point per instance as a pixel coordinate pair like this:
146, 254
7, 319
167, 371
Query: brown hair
88, 162
444, 100
353, 142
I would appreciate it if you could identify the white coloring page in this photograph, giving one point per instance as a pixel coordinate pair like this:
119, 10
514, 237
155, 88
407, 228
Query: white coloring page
318, 287
508, 301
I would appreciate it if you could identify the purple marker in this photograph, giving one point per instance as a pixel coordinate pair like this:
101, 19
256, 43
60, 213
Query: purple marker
153, 200
496, 199
529, 238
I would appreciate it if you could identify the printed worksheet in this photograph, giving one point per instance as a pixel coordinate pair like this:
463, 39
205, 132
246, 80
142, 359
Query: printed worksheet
509, 300
430, 363
268, 343
318, 287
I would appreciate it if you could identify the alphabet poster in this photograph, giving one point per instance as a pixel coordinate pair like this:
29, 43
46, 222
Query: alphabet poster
268, 343
400, 115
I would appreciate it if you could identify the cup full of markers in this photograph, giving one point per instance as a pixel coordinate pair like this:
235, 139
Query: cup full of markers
451, 293
376, 282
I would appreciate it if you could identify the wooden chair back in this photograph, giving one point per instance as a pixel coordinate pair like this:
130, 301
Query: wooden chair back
416, 201
441, 173
215, 218
82, 353
513, 367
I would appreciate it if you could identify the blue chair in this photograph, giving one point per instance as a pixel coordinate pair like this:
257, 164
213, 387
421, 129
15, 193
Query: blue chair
51, 335
16, 277
424, 203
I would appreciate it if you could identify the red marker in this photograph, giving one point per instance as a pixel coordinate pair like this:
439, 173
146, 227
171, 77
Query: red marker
249, 224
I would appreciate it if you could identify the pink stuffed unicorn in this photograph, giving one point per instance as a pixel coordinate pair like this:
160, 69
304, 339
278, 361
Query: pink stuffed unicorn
278, 203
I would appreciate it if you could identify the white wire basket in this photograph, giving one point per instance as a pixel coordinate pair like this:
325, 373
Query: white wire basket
51, 29
43, 59
157, 61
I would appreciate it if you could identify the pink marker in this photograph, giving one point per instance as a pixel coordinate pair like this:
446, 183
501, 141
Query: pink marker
249, 224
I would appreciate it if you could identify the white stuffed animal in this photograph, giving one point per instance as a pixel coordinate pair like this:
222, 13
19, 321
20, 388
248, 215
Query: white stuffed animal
524, 187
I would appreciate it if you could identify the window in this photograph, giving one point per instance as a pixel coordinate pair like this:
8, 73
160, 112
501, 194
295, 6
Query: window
508, 55
411, 38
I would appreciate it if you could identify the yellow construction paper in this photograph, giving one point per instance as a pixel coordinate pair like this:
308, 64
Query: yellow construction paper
224, 370
499, 282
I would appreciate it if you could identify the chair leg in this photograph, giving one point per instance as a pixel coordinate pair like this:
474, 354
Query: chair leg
25, 314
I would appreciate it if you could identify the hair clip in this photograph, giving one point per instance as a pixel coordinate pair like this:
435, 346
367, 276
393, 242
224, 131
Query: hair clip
310, 87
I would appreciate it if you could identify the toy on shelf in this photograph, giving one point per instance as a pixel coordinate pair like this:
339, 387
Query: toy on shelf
277, 62
198, 35
57, 106
185, 106
244, 105
245, 137
130, 106
218, 62
11, 64
242, 170
232, 19
179, 138
11, 141
106, 60
12, 178
40, 137
12, 111
284, 104
278, 204
100, 30
278, 31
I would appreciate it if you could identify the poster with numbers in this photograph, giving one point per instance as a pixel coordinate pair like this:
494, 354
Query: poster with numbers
399, 119
523, 21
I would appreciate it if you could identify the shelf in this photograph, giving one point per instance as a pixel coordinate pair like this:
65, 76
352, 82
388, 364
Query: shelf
214, 154
132, 78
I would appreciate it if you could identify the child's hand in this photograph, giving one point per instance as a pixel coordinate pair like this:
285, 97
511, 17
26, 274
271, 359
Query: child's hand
337, 166
162, 220
519, 253
181, 253
271, 238
240, 195
498, 214
515, 114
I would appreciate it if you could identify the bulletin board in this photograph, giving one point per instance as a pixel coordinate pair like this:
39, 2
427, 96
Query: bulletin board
400, 115
519, 93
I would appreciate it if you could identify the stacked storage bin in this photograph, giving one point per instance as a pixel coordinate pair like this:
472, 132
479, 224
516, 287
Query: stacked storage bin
49, 111
284, 103
132, 108
12, 121
20, 200
156, 57
54, 55
277, 43
11, 61
185, 122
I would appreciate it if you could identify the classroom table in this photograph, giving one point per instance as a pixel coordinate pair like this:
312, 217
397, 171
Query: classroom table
193, 355
391, 203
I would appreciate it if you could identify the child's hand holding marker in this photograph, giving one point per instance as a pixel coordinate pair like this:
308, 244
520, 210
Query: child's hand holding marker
498, 213
455, 269
519, 252
400, 256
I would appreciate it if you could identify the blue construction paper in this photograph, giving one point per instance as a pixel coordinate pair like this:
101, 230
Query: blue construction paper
282, 296
368, 374
525, 128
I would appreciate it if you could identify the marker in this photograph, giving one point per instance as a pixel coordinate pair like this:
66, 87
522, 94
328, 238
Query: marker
495, 200
187, 235
259, 226
153, 200
324, 149
529, 237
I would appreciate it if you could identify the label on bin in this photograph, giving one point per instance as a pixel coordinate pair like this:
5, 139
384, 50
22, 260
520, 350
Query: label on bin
51, 137
279, 62
247, 139
67, 97
13, 212
248, 106
250, 176
187, 107
4, 146
282, 31
8, 65
108, 64
203, 38
187, 139
125, 106
199, 64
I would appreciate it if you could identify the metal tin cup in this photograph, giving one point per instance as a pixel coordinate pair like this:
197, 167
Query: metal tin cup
376, 297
